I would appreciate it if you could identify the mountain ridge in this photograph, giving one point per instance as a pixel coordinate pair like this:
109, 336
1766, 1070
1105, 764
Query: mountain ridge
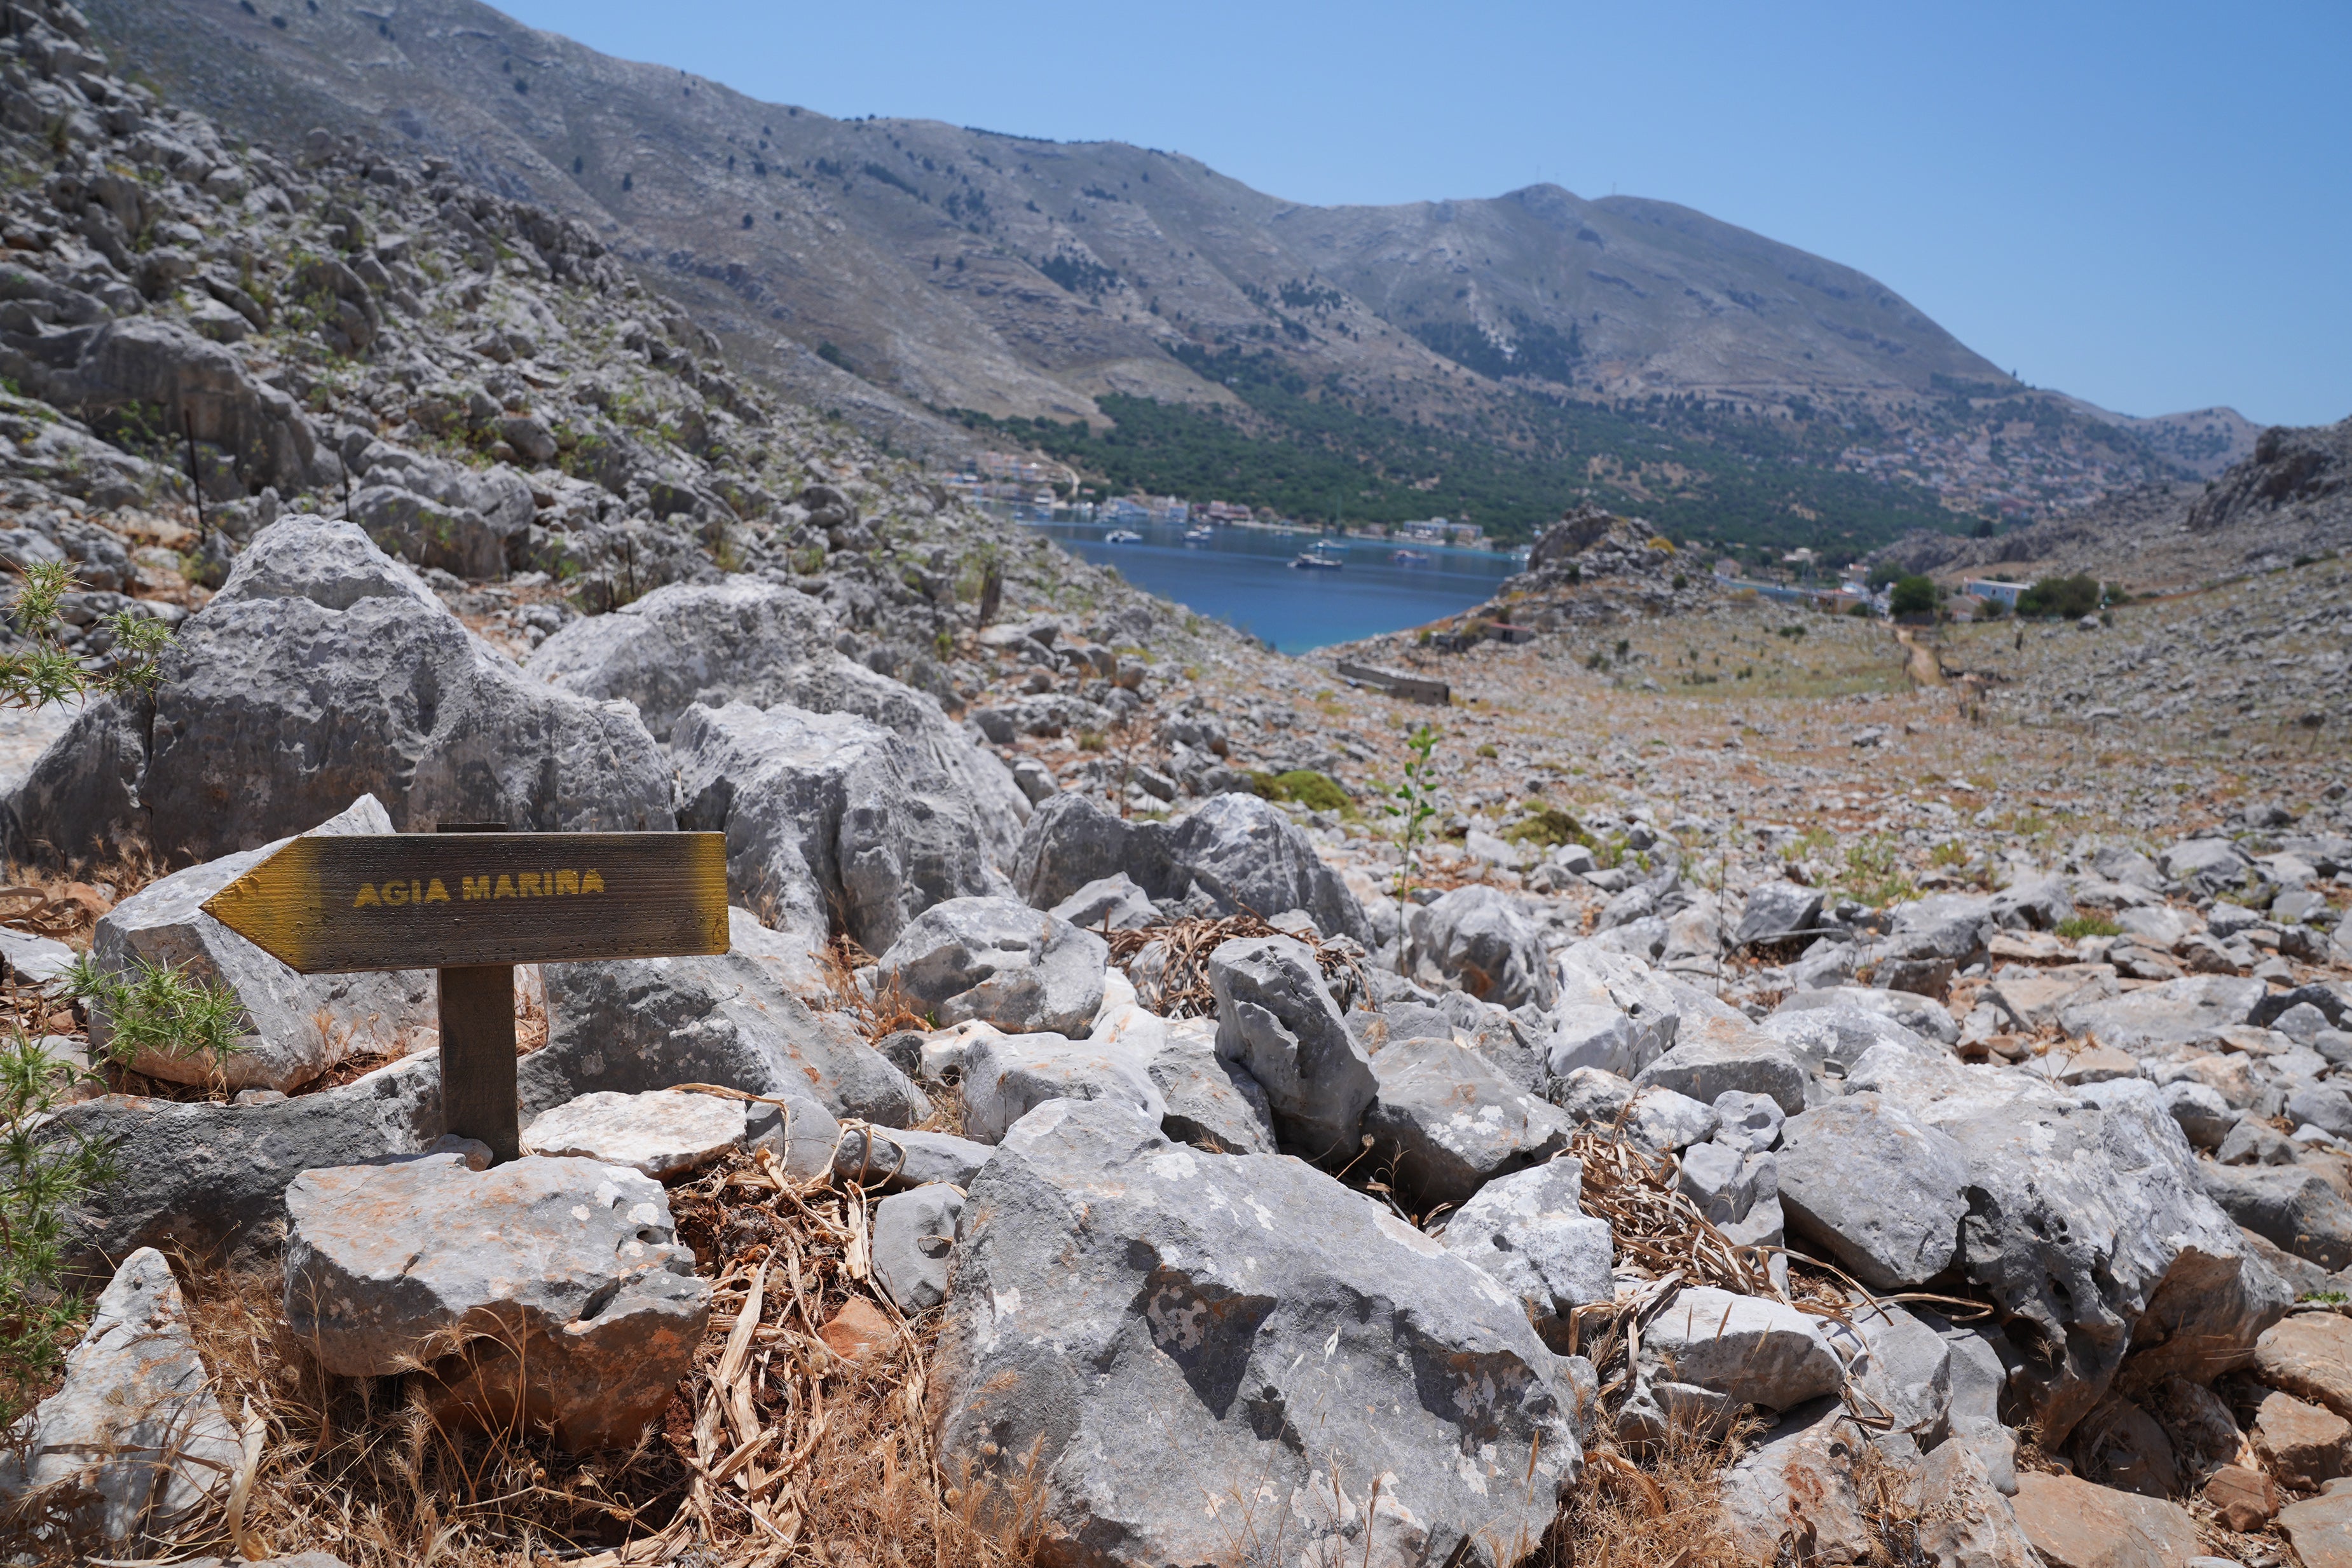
903, 272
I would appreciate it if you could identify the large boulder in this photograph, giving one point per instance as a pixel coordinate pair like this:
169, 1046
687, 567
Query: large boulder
135, 1439
832, 822
469, 521
745, 640
294, 1027
1880, 1193
200, 1177
653, 1023
1001, 962
1475, 939
1531, 1232
1277, 1018
1196, 1354
77, 799
324, 670
196, 387
1236, 850
1446, 1122
2087, 1226
546, 1293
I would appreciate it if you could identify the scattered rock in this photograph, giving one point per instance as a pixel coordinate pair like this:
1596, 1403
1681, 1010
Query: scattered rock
1530, 1231
1472, 937
1882, 1195
1006, 1076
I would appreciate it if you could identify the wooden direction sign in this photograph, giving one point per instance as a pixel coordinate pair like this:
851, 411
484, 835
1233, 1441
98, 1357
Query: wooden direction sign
472, 904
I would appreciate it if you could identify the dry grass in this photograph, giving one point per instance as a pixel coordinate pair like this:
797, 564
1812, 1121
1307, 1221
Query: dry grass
1169, 965
777, 1449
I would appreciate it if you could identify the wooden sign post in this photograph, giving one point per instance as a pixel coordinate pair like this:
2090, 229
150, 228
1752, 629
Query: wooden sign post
472, 905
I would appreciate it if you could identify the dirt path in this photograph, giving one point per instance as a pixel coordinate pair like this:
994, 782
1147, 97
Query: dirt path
1924, 668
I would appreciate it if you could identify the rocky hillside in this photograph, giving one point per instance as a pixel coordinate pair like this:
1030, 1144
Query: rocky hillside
1162, 1102
2288, 500
894, 269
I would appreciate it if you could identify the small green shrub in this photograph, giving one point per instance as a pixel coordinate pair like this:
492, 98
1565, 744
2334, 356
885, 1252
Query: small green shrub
153, 1008
1548, 826
2075, 927
1315, 791
1487, 750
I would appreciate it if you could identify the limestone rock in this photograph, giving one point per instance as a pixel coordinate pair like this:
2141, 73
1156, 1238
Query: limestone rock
324, 670
2089, 1223
1173, 1326
197, 1175
2320, 1529
902, 1157
745, 641
2073, 1525
295, 1027
1882, 1195
1001, 962
1776, 912
1006, 1076
549, 1291
1748, 1349
832, 822
1276, 1018
650, 1023
1798, 1490
1212, 1100
1529, 1231
2302, 1445
1241, 851
136, 1439
664, 1132
913, 1232
1472, 937
2309, 1355
1449, 1123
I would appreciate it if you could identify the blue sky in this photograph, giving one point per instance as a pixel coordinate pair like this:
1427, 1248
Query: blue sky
2149, 205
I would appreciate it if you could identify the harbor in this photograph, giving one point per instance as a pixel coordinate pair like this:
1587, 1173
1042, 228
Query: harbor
1253, 577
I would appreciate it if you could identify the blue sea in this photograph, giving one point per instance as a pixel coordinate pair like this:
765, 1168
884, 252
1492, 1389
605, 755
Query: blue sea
1242, 577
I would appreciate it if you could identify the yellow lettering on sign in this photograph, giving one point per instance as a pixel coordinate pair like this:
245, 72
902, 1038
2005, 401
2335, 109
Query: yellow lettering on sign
473, 887
505, 888
435, 893
395, 893
530, 881
567, 881
591, 882
367, 896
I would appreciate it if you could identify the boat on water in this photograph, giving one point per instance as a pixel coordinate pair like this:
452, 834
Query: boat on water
1199, 536
1410, 558
1122, 536
1312, 559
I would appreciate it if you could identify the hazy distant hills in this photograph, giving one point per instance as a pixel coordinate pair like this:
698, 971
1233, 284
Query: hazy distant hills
899, 269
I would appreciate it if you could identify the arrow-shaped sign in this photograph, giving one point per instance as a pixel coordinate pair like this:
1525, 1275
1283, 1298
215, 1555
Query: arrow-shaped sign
342, 903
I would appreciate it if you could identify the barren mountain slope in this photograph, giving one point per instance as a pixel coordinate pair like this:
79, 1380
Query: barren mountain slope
959, 268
